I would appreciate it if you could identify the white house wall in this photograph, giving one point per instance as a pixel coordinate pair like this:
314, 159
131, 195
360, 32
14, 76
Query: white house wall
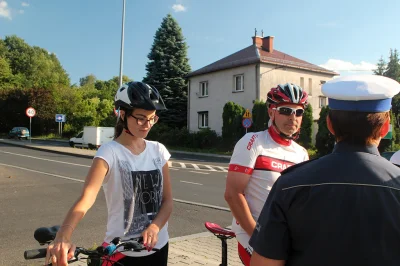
220, 91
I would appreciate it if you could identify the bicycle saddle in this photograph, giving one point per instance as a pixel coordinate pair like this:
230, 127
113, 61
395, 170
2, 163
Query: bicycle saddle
218, 230
44, 235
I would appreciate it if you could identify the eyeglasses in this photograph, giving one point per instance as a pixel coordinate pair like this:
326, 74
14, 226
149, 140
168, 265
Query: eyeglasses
289, 111
142, 121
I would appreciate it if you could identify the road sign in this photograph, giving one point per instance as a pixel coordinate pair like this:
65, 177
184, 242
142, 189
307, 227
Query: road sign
246, 122
116, 111
60, 118
389, 135
30, 112
247, 114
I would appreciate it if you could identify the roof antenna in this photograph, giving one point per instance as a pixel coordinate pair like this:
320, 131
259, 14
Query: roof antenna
262, 33
255, 32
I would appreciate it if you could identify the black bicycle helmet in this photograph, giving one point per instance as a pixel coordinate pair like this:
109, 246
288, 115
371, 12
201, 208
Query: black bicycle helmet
136, 94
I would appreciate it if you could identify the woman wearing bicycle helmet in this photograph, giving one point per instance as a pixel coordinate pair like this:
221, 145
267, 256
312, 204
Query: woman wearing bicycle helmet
136, 182
258, 159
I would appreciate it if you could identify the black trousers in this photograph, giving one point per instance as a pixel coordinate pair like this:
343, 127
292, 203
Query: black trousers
159, 258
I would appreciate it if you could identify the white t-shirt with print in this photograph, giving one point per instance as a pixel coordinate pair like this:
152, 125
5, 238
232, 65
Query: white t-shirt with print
133, 189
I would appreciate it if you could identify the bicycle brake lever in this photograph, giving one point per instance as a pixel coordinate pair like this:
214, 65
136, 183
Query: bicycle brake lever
134, 246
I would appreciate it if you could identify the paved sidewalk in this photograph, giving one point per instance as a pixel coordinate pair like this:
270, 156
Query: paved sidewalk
201, 249
198, 249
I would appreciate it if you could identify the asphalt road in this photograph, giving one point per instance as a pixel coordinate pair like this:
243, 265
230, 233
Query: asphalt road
175, 156
37, 188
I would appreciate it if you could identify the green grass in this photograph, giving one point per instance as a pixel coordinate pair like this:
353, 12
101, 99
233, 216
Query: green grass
50, 136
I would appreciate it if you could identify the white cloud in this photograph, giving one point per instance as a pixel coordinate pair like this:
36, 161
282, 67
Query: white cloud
179, 8
25, 4
4, 10
21, 11
344, 66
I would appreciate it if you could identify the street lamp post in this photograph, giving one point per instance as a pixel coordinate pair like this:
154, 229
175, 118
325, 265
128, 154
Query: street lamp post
121, 60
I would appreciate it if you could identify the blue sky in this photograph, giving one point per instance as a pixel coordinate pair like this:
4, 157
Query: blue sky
85, 35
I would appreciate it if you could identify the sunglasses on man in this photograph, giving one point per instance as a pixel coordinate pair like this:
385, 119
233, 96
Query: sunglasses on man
289, 111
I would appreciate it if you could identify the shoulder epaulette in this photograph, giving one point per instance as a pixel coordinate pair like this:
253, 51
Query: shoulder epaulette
293, 167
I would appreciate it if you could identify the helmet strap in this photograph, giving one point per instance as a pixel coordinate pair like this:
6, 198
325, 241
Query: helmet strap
126, 125
283, 135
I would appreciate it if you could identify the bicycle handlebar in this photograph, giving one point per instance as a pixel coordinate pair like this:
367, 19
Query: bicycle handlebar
132, 244
35, 254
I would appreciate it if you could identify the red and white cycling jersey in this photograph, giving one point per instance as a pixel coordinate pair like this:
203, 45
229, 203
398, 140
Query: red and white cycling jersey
263, 155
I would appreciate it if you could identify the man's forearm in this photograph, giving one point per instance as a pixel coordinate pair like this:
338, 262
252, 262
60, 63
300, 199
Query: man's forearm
241, 212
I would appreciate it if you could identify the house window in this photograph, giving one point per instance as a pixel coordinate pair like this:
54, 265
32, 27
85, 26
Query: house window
203, 119
322, 101
310, 86
239, 83
322, 82
204, 89
302, 82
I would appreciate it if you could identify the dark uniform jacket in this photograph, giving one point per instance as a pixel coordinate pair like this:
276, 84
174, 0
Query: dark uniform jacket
341, 209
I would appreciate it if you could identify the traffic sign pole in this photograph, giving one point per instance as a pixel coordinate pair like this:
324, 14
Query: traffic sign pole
30, 112
246, 122
30, 129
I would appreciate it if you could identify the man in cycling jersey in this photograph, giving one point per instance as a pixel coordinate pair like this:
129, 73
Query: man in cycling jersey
258, 159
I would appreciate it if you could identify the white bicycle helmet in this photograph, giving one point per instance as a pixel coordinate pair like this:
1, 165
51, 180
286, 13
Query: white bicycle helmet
287, 93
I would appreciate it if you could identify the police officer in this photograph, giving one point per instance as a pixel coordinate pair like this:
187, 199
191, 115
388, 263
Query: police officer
343, 208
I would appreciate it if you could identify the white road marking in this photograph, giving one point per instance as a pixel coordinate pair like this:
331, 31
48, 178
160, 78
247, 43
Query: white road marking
203, 205
223, 169
203, 173
38, 158
209, 167
82, 181
182, 165
191, 183
43, 173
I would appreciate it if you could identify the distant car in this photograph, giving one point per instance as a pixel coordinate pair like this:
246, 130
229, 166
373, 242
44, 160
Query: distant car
387, 154
19, 132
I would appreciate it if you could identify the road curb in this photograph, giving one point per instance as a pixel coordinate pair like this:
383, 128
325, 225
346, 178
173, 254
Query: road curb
28, 146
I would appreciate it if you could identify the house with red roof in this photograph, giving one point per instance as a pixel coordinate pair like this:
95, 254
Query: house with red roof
246, 76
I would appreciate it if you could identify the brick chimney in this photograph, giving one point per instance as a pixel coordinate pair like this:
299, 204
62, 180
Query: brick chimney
257, 41
268, 43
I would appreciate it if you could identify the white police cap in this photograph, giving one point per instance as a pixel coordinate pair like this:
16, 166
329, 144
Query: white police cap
362, 93
395, 159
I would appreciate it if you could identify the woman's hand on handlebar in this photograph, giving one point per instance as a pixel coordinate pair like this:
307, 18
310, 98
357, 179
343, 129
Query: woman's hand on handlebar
150, 236
60, 251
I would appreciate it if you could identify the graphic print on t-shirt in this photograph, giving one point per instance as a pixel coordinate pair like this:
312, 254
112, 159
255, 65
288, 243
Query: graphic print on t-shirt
142, 197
